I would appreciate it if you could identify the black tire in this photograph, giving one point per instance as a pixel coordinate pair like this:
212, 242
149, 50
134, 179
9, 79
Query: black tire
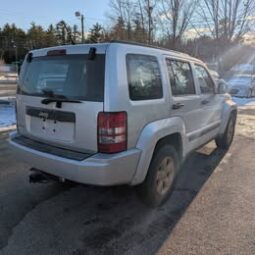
148, 191
224, 141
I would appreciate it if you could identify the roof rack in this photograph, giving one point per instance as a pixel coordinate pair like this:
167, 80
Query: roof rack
149, 46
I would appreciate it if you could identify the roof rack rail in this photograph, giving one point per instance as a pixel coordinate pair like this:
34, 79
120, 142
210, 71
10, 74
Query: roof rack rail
148, 46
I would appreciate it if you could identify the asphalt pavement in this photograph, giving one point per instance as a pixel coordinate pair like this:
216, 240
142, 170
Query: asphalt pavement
211, 210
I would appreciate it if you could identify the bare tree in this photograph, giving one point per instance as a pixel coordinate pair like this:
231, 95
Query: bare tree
125, 11
137, 15
226, 19
175, 17
141, 17
149, 7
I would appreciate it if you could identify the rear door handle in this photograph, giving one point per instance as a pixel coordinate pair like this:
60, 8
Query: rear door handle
205, 102
177, 106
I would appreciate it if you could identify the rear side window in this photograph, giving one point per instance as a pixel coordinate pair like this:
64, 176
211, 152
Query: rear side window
72, 76
204, 80
144, 77
181, 78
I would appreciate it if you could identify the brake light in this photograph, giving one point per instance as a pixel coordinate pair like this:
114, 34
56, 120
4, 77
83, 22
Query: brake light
56, 52
112, 132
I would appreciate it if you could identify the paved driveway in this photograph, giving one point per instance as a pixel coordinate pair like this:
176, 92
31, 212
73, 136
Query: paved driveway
210, 212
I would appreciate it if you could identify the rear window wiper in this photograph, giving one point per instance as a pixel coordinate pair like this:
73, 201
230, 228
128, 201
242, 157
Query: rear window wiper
59, 99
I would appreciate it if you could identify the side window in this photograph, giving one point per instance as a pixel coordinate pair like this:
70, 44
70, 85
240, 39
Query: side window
144, 78
205, 81
181, 78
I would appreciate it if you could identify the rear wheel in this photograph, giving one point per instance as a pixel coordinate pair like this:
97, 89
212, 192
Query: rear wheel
226, 139
160, 179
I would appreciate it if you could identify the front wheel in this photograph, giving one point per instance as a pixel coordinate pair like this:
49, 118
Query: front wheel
159, 181
226, 139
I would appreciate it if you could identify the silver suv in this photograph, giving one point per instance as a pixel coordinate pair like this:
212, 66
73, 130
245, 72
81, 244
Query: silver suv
117, 113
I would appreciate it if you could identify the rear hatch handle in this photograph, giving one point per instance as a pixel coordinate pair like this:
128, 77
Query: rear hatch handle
59, 101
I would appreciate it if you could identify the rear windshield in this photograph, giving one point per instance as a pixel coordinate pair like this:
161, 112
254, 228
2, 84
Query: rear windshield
72, 76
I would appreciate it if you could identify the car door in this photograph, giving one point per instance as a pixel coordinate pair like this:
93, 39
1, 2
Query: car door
211, 103
185, 101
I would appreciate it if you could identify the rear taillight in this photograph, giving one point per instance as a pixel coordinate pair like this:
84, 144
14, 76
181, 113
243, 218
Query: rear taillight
112, 132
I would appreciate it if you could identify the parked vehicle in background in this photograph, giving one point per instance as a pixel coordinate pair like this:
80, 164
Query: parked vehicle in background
214, 75
118, 113
242, 85
220, 82
243, 69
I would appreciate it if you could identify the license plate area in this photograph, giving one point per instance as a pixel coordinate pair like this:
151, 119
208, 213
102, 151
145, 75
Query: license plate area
51, 124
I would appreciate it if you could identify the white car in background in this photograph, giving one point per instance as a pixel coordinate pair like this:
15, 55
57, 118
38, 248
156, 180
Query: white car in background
214, 75
221, 83
242, 85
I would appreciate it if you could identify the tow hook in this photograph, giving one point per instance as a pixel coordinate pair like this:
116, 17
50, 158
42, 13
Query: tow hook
38, 176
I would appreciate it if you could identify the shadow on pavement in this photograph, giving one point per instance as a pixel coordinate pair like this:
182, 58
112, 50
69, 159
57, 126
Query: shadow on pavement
137, 229
98, 220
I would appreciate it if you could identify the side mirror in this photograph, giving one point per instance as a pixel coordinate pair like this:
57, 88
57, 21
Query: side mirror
222, 87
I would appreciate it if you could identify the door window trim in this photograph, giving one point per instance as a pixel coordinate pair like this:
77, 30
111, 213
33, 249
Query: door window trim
192, 73
210, 77
161, 77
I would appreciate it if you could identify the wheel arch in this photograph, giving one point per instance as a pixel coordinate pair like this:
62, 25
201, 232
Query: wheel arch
154, 135
174, 139
229, 108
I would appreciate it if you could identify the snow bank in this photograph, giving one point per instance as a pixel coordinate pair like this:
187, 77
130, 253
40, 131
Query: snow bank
7, 115
244, 101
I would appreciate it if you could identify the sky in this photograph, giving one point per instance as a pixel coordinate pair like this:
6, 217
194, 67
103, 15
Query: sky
45, 12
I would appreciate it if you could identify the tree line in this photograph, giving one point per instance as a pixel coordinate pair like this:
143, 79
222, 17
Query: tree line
202, 28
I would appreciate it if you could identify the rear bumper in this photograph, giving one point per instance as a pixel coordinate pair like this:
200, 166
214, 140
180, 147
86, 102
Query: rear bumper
99, 169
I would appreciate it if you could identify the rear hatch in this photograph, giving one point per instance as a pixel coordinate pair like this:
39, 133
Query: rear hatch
60, 93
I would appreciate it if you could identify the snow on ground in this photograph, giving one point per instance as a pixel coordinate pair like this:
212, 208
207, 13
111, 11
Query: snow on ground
7, 78
7, 113
246, 121
244, 101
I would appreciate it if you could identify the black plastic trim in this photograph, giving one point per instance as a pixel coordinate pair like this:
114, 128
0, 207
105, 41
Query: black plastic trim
53, 150
51, 114
205, 131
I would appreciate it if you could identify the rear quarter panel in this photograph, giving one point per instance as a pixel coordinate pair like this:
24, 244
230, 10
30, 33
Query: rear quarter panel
140, 113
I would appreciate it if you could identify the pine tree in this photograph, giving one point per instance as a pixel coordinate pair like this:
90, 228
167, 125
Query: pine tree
96, 33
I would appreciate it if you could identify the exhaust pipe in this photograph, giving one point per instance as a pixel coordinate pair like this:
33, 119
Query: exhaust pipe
39, 177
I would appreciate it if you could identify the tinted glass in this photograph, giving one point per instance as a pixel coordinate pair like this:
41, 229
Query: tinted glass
205, 81
73, 76
181, 78
144, 78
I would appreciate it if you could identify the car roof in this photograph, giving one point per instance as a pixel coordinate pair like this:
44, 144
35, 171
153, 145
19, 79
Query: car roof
102, 47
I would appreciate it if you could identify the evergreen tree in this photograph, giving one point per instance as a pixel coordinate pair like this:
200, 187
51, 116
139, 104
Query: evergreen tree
96, 33
118, 31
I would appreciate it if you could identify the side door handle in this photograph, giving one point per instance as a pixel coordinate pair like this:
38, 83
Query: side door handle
205, 102
177, 106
